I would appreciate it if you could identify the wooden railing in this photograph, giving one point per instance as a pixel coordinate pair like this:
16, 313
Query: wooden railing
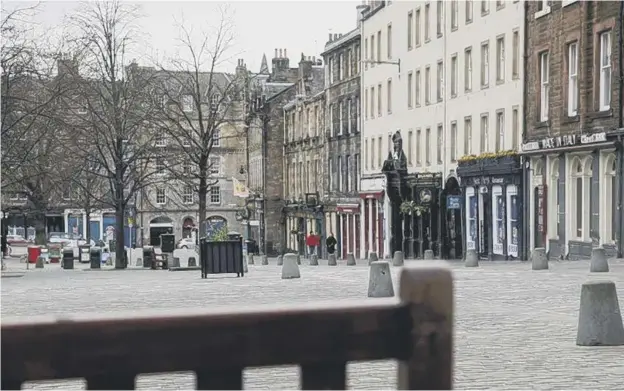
110, 351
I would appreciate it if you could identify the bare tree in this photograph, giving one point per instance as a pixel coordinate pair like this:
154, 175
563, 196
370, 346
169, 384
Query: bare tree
113, 115
30, 147
201, 107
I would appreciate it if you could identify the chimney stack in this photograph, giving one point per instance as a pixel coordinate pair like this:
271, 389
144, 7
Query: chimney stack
285, 55
330, 37
280, 54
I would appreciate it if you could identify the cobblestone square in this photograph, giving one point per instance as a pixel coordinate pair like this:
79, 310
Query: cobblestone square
515, 328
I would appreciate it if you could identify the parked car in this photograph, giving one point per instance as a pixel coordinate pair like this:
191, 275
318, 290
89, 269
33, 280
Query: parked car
68, 240
186, 243
16, 240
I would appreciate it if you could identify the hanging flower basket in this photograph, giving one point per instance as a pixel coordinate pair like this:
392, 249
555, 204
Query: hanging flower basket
411, 208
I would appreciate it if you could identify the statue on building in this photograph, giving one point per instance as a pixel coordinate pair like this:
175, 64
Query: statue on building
396, 161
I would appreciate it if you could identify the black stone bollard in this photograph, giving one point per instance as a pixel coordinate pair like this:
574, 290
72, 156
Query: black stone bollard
96, 258
68, 258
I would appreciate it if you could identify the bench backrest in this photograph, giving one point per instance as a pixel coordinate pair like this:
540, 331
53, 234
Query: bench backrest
110, 351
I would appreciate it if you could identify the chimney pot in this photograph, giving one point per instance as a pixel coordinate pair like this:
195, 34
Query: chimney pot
285, 55
330, 37
280, 53
275, 53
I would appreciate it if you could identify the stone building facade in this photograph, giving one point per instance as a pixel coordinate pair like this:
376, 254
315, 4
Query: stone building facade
304, 153
274, 90
572, 148
342, 206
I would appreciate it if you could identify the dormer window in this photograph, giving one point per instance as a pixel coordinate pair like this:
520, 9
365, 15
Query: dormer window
187, 103
214, 101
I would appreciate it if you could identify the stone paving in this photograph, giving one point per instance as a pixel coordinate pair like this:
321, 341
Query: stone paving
515, 328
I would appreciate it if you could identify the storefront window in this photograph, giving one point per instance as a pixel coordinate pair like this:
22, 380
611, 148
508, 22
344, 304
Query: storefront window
498, 214
472, 222
514, 221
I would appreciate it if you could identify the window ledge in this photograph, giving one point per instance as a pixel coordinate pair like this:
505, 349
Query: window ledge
542, 124
543, 12
566, 3
600, 114
570, 119
500, 81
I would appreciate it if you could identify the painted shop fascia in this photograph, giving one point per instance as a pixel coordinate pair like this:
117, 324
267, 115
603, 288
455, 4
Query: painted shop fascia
492, 189
548, 190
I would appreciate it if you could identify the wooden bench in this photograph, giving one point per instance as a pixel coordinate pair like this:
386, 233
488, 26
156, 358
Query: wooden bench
109, 351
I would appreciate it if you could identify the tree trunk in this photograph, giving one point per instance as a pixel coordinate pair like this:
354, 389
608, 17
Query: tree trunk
120, 252
38, 220
203, 191
88, 229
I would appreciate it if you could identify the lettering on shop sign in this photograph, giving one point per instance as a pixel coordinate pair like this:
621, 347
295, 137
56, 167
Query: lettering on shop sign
567, 140
486, 180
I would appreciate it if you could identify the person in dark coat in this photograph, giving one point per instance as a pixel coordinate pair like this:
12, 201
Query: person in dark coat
330, 242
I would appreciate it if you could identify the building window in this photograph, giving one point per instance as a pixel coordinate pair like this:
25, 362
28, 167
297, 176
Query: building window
160, 166
467, 136
215, 195
439, 11
379, 100
356, 170
67, 192
341, 121
348, 165
372, 103
216, 138
468, 69
500, 130
379, 45
215, 165
161, 140
341, 67
389, 98
440, 141
515, 66
410, 90
366, 53
453, 141
428, 146
485, 65
418, 146
186, 168
417, 28
187, 103
485, 7
417, 88
389, 42
339, 174
484, 133
372, 50
469, 9
410, 27
410, 148
454, 15
544, 86
427, 85
440, 81
605, 71
610, 193
427, 15
572, 79
365, 103
515, 128
161, 196
214, 101
330, 170
349, 115
500, 4
553, 207
500, 59
187, 194
379, 154
577, 194
372, 154
454, 72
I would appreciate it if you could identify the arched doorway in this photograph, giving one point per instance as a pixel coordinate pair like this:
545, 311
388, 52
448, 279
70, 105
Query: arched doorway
215, 224
451, 203
158, 226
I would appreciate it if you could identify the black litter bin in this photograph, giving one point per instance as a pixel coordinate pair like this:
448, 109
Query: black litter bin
84, 253
96, 257
148, 256
167, 243
68, 258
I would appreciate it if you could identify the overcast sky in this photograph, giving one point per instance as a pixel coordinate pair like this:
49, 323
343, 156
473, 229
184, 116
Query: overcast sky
260, 26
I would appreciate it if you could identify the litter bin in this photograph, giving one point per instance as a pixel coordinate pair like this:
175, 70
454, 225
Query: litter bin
234, 235
33, 253
84, 253
148, 256
68, 258
167, 243
96, 257
55, 253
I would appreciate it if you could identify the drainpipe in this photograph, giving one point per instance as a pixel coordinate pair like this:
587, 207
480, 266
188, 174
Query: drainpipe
523, 248
265, 132
620, 157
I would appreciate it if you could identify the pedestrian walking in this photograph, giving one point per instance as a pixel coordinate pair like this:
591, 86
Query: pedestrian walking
330, 243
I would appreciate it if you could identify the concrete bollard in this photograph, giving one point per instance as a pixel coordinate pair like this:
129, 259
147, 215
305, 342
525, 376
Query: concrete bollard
350, 259
331, 260
314, 260
245, 267
538, 259
250, 259
265, 260
398, 259
428, 256
298, 259
599, 263
290, 269
175, 262
472, 259
380, 280
39, 263
372, 257
3, 265
600, 320
280, 260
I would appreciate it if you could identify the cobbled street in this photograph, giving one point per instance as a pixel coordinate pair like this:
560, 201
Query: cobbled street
515, 328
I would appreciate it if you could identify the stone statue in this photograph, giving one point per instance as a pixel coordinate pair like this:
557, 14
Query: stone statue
396, 161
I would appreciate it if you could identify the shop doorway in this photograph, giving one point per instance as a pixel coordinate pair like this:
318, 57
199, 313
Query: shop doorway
451, 203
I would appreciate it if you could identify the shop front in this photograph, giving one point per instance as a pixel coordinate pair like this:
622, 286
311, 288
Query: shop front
348, 233
372, 232
492, 188
302, 217
572, 194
